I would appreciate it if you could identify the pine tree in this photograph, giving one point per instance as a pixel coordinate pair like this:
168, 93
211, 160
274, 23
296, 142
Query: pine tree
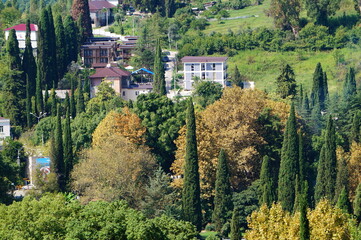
341, 178
58, 153
71, 41
286, 82
60, 47
80, 107
68, 147
289, 163
80, 10
357, 203
268, 194
191, 202
223, 196
304, 223
159, 78
343, 202
326, 170
237, 78
29, 63
236, 225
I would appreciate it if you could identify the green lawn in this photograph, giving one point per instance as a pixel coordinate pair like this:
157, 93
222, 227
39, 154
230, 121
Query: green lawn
206, 234
264, 67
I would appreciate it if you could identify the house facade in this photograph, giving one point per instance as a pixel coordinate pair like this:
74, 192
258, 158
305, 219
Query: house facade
132, 91
204, 68
100, 13
98, 54
4, 130
20, 34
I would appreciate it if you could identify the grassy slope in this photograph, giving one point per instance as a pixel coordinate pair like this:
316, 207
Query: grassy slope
264, 67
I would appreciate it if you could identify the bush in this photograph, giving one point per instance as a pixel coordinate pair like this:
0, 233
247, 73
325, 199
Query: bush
210, 227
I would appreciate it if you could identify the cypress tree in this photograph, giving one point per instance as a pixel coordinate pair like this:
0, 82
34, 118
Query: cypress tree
286, 82
343, 202
28, 104
68, 146
12, 47
80, 10
60, 47
54, 102
319, 88
29, 63
71, 41
52, 58
325, 89
289, 163
355, 128
58, 155
87, 88
72, 99
223, 196
39, 96
300, 97
341, 178
237, 78
349, 87
357, 203
236, 225
80, 107
159, 78
191, 201
304, 222
47, 109
268, 194
326, 170
302, 160
67, 102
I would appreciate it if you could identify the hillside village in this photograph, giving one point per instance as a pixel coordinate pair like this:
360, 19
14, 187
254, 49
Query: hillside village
180, 120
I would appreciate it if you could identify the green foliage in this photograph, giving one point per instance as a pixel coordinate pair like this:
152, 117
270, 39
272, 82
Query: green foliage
80, 105
289, 166
29, 64
191, 202
159, 78
206, 92
343, 202
320, 10
304, 222
70, 30
349, 87
357, 204
286, 82
60, 47
68, 147
319, 92
326, 169
267, 183
235, 225
341, 178
223, 196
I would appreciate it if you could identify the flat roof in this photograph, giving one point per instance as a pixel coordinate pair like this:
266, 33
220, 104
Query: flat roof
190, 59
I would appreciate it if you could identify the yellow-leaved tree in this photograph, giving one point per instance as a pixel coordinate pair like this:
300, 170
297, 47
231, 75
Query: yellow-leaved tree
325, 222
231, 123
354, 167
125, 123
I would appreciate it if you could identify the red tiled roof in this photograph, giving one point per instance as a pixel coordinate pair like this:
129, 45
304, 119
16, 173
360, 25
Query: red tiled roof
110, 72
204, 59
22, 27
98, 5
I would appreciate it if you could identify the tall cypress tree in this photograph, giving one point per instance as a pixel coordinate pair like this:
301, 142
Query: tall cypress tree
29, 63
68, 147
72, 99
12, 47
289, 164
326, 170
268, 188
58, 154
60, 47
343, 202
236, 225
80, 106
341, 178
191, 201
39, 96
47, 107
159, 78
28, 104
357, 203
71, 41
54, 102
302, 160
319, 88
349, 87
304, 223
355, 128
53, 69
223, 197
80, 9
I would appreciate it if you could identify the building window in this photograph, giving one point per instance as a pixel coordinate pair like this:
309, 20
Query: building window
192, 67
1, 129
88, 53
203, 67
213, 66
136, 93
88, 61
104, 60
103, 52
123, 93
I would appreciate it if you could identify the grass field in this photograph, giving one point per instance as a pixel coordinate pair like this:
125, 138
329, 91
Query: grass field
264, 67
206, 234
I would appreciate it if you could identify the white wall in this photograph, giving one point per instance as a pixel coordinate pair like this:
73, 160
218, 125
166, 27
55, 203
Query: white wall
20, 35
5, 123
132, 94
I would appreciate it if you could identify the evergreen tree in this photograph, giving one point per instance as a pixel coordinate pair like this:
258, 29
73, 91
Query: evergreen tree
52, 50
343, 202
159, 78
71, 41
29, 63
326, 170
68, 146
12, 47
355, 128
67, 102
80, 107
342, 178
47, 108
349, 87
268, 188
191, 202
87, 87
289, 163
302, 160
80, 10
304, 223
286, 82
28, 104
236, 225
39, 95
170, 7
237, 78
223, 196
72, 99
57, 157
54, 102
357, 203
60, 47
319, 88
300, 97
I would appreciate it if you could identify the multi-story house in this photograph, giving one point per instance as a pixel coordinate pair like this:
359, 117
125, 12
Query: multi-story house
20, 34
98, 54
100, 12
204, 68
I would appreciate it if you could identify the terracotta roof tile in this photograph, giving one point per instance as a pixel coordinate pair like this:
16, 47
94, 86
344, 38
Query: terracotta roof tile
98, 5
22, 27
110, 72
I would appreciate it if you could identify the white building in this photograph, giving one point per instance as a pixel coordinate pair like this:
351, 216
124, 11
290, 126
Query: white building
205, 68
20, 34
132, 91
4, 129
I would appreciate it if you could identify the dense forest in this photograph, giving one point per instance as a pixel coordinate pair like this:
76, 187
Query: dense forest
281, 161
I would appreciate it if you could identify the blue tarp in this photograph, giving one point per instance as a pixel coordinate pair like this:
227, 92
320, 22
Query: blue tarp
143, 69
